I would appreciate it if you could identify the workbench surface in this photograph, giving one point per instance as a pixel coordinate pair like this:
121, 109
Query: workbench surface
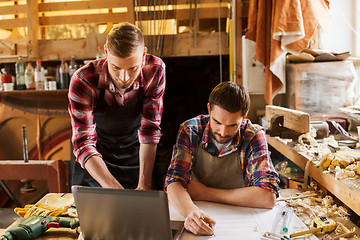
216, 210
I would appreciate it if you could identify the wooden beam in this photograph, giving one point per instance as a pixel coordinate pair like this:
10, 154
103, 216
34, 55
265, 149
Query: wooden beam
207, 45
182, 45
89, 18
293, 119
33, 28
131, 12
14, 23
15, 9
80, 5
184, 14
180, 2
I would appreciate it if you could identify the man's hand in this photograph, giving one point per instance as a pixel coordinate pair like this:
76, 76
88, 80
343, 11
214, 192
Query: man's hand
143, 187
199, 223
196, 190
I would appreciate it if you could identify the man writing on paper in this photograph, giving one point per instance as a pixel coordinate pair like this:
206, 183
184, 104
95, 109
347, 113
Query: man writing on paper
115, 107
220, 157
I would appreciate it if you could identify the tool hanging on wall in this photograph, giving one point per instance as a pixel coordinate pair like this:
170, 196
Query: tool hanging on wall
220, 45
196, 22
28, 187
176, 27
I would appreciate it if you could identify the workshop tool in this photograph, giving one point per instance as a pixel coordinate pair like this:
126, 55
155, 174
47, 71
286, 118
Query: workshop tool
320, 224
273, 236
34, 226
28, 187
286, 123
282, 220
343, 133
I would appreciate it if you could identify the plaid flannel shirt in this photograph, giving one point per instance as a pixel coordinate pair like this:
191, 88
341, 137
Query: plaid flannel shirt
84, 92
252, 145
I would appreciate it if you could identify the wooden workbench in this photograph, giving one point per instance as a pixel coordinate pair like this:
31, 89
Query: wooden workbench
342, 189
69, 234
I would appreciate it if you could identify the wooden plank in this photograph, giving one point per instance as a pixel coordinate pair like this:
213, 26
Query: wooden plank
33, 28
90, 18
80, 5
86, 49
15, 9
293, 119
180, 2
184, 14
54, 49
131, 12
182, 45
14, 23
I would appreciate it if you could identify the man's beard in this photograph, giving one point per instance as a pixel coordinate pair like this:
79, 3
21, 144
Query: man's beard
221, 139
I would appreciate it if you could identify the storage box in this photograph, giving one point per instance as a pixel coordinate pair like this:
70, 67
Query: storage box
321, 88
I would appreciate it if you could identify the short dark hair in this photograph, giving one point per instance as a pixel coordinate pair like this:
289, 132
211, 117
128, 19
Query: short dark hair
230, 96
124, 39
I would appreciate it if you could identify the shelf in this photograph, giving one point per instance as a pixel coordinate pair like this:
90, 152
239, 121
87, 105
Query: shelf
37, 101
342, 189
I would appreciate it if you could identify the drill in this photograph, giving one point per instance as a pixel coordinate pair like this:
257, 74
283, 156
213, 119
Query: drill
34, 226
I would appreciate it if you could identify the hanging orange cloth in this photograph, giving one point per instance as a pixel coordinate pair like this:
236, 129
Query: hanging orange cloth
281, 26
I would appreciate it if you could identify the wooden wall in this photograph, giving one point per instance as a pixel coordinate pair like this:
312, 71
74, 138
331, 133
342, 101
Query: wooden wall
181, 27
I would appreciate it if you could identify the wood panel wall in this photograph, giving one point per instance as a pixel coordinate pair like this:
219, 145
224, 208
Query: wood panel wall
36, 15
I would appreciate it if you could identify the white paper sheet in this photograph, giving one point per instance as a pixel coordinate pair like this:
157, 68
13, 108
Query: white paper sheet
234, 222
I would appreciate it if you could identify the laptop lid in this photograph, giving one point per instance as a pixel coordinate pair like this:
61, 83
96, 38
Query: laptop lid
124, 214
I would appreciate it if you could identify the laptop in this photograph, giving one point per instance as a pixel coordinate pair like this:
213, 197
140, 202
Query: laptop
113, 214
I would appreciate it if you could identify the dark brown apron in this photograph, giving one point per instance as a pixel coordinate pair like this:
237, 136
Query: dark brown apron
117, 142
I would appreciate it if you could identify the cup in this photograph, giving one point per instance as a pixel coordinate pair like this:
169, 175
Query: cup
40, 85
8, 87
52, 85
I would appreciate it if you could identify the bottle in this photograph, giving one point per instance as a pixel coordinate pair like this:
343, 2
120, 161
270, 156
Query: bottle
72, 66
29, 76
64, 75
20, 67
100, 52
39, 76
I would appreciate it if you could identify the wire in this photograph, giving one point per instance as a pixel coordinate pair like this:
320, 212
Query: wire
219, 28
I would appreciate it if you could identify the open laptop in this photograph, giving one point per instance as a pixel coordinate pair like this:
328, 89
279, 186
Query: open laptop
124, 214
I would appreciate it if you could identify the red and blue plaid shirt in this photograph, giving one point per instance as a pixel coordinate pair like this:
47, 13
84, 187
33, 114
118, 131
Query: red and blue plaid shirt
252, 145
84, 92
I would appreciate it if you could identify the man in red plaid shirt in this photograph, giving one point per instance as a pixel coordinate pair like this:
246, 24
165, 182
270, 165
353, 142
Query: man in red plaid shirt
116, 105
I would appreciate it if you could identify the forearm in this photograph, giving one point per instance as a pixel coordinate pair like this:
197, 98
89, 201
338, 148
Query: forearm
98, 170
245, 197
146, 160
180, 199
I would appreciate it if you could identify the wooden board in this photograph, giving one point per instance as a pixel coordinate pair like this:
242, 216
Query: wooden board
293, 119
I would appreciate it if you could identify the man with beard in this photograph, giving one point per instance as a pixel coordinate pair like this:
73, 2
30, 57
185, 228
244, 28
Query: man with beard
220, 157
116, 105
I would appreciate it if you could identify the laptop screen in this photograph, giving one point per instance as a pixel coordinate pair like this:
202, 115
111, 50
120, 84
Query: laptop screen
122, 213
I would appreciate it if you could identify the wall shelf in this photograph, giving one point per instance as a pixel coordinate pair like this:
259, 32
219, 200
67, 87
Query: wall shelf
54, 102
342, 189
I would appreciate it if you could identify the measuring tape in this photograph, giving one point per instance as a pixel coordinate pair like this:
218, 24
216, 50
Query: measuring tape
320, 224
